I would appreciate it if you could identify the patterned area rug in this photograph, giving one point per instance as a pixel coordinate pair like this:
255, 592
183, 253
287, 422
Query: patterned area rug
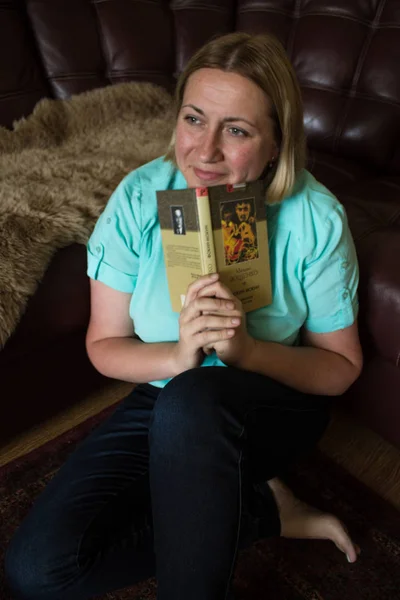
274, 569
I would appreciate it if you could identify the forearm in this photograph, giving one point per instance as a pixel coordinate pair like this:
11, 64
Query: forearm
307, 369
132, 360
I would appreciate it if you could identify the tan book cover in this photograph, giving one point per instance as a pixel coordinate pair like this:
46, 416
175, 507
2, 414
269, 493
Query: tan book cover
220, 229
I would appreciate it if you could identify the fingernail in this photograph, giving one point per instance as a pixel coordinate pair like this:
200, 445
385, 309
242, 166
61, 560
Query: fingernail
214, 275
348, 558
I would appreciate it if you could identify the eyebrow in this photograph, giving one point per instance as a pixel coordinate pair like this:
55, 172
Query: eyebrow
225, 120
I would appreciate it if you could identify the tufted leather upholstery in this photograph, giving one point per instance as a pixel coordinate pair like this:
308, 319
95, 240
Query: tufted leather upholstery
346, 54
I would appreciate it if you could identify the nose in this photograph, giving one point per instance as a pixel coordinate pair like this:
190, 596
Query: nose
210, 147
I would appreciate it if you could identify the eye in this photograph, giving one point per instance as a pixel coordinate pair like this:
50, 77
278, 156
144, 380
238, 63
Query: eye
236, 132
191, 120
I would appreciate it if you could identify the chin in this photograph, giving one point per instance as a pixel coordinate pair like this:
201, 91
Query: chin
195, 182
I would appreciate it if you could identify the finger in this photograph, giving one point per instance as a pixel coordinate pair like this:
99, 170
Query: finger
222, 312
216, 288
197, 339
210, 337
215, 322
211, 304
193, 328
206, 307
197, 285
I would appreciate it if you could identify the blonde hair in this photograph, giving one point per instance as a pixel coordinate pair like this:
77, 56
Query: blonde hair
263, 60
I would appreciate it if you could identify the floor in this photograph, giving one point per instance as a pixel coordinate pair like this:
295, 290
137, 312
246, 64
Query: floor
363, 453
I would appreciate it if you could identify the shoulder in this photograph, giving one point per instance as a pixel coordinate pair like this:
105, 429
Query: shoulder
310, 201
138, 190
312, 213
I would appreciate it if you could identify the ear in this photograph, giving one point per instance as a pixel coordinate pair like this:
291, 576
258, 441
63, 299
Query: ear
275, 153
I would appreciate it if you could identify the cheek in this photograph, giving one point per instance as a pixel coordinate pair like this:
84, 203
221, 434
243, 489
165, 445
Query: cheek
244, 159
179, 140
184, 142
253, 160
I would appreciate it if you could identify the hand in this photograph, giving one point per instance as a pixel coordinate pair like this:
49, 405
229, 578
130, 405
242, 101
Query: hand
204, 320
230, 350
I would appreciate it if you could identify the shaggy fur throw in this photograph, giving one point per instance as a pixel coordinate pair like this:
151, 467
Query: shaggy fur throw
58, 168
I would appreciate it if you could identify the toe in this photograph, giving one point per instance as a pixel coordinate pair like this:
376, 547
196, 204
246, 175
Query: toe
343, 541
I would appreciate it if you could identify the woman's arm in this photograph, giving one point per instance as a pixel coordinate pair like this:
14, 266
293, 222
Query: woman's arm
326, 363
115, 352
111, 345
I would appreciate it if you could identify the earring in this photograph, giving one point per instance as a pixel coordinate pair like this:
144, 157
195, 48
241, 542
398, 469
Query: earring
271, 163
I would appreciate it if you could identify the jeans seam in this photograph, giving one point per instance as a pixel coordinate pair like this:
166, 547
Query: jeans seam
239, 519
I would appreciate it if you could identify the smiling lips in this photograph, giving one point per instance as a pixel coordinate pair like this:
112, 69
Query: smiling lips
206, 175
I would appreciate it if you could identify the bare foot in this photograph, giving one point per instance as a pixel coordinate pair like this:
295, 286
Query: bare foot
300, 520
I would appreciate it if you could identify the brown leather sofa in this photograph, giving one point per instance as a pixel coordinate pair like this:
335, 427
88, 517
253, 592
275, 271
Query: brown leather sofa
346, 55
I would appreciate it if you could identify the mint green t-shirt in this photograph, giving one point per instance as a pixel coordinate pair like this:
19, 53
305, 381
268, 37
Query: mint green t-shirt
314, 268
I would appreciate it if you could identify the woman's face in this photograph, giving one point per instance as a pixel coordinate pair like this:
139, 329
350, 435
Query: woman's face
224, 133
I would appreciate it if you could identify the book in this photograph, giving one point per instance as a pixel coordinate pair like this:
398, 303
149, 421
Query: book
221, 229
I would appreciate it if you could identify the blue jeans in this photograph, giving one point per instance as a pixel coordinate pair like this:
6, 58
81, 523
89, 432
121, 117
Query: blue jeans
173, 483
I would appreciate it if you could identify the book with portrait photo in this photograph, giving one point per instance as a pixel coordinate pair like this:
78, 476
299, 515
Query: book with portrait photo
220, 229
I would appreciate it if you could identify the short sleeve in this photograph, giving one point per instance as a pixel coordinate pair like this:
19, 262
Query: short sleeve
113, 248
331, 275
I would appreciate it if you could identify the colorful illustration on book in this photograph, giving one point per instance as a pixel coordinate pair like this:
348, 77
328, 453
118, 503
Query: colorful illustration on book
178, 220
238, 223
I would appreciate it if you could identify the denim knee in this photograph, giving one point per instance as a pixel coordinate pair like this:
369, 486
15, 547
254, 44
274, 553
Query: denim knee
36, 570
193, 409
21, 571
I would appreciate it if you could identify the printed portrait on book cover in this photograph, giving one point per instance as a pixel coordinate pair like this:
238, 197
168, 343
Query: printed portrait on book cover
238, 224
178, 220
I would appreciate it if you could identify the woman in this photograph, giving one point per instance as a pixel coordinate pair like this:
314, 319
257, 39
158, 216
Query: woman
193, 456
